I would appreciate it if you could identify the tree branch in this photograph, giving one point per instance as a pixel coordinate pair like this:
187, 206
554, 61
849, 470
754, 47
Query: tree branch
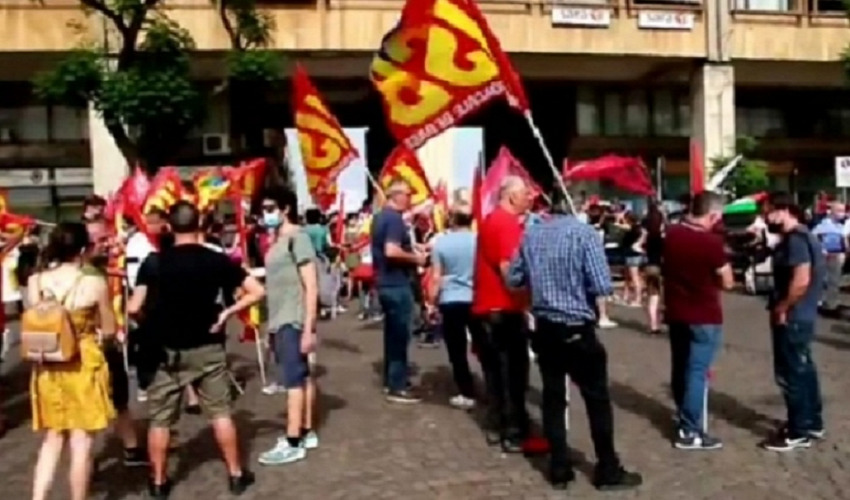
100, 6
235, 39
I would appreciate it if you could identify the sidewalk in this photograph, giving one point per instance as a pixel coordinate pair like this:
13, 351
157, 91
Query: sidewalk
372, 450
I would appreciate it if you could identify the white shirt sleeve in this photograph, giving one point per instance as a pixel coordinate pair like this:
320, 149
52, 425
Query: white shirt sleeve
845, 230
138, 248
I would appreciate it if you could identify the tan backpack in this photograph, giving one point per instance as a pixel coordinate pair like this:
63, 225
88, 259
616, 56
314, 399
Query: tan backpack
47, 331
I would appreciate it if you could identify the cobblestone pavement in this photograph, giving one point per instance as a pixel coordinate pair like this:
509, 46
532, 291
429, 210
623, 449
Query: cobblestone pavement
373, 451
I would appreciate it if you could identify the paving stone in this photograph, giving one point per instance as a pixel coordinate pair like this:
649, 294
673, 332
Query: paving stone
370, 450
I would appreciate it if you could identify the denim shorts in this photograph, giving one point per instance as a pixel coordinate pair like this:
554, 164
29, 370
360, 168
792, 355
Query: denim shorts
293, 366
635, 261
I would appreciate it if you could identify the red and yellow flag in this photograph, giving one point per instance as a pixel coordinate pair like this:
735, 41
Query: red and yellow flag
403, 164
247, 179
325, 149
166, 189
440, 64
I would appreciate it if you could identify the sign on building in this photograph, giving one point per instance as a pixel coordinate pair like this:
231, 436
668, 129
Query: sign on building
581, 16
29, 177
660, 20
842, 171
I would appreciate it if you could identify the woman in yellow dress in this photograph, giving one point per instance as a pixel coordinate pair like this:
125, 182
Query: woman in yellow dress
70, 401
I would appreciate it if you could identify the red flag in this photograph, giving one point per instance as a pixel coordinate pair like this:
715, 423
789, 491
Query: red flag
477, 201
626, 173
339, 235
403, 164
440, 64
697, 168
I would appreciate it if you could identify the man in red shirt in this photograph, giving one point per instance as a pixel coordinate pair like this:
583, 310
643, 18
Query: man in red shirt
694, 269
503, 348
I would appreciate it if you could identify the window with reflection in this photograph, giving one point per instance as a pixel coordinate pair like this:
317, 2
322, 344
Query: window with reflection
664, 112
612, 114
765, 5
637, 113
587, 112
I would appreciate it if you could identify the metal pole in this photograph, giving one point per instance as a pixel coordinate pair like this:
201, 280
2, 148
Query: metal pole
659, 177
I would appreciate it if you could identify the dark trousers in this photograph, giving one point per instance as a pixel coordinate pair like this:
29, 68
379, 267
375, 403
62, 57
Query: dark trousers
797, 376
457, 319
575, 351
503, 352
397, 304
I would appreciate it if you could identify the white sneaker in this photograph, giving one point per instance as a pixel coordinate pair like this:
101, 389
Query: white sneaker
141, 396
272, 389
462, 402
607, 323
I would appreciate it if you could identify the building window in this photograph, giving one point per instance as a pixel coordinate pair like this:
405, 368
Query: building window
612, 114
829, 6
664, 113
69, 124
764, 5
637, 113
587, 112
760, 122
656, 3
684, 115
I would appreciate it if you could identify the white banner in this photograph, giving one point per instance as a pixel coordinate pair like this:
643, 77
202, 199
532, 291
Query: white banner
842, 171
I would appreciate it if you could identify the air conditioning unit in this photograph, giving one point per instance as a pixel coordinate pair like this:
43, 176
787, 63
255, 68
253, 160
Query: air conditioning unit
216, 144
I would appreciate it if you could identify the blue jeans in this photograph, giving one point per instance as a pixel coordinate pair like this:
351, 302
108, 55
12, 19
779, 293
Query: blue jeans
692, 349
797, 376
397, 304
293, 365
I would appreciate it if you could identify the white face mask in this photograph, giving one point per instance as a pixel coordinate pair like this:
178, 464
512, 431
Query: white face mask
271, 219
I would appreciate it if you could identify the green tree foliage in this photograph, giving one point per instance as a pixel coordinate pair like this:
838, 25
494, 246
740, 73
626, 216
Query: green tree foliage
138, 78
750, 176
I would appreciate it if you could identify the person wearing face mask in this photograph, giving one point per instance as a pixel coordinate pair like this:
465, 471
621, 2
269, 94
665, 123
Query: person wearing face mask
832, 231
798, 275
694, 270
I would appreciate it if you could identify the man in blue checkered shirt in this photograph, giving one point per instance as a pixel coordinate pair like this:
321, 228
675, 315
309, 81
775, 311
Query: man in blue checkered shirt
562, 263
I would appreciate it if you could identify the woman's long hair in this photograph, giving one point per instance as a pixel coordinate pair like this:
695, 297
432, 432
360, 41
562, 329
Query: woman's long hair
654, 220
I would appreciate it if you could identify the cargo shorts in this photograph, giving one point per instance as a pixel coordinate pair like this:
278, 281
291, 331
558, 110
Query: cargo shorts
204, 368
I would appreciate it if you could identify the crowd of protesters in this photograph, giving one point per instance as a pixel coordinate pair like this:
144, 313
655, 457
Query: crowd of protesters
525, 283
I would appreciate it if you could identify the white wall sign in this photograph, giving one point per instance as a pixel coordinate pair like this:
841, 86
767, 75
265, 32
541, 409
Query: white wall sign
73, 176
30, 177
581, 16
658, 20
842, 171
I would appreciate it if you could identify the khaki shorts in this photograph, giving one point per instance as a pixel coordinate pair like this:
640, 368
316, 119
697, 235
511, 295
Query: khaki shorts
205, 368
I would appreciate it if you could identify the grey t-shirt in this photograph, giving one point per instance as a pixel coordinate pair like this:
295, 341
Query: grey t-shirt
284, 292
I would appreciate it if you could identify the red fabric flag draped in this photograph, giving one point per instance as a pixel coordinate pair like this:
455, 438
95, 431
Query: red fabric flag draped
440, 64
697, 169
626, 173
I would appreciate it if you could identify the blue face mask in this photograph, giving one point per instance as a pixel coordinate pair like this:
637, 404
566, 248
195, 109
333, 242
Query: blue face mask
271, 219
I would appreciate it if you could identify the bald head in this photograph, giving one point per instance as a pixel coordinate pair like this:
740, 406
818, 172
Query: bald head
514, 195
838, 210
511, 185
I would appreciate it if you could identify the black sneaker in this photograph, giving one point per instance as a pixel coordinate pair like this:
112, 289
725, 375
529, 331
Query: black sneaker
403, 397
696, 441
159, 491
193, 409
784, 441
619, 480
240, 484
135, 457
560, 477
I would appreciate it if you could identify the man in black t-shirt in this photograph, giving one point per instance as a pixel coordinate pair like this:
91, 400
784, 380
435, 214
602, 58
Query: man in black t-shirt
186, 321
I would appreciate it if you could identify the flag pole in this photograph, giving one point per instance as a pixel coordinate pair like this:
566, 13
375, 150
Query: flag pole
549, 160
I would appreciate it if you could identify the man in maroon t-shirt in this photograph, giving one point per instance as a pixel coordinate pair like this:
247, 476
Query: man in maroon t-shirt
694, 269
500, 312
